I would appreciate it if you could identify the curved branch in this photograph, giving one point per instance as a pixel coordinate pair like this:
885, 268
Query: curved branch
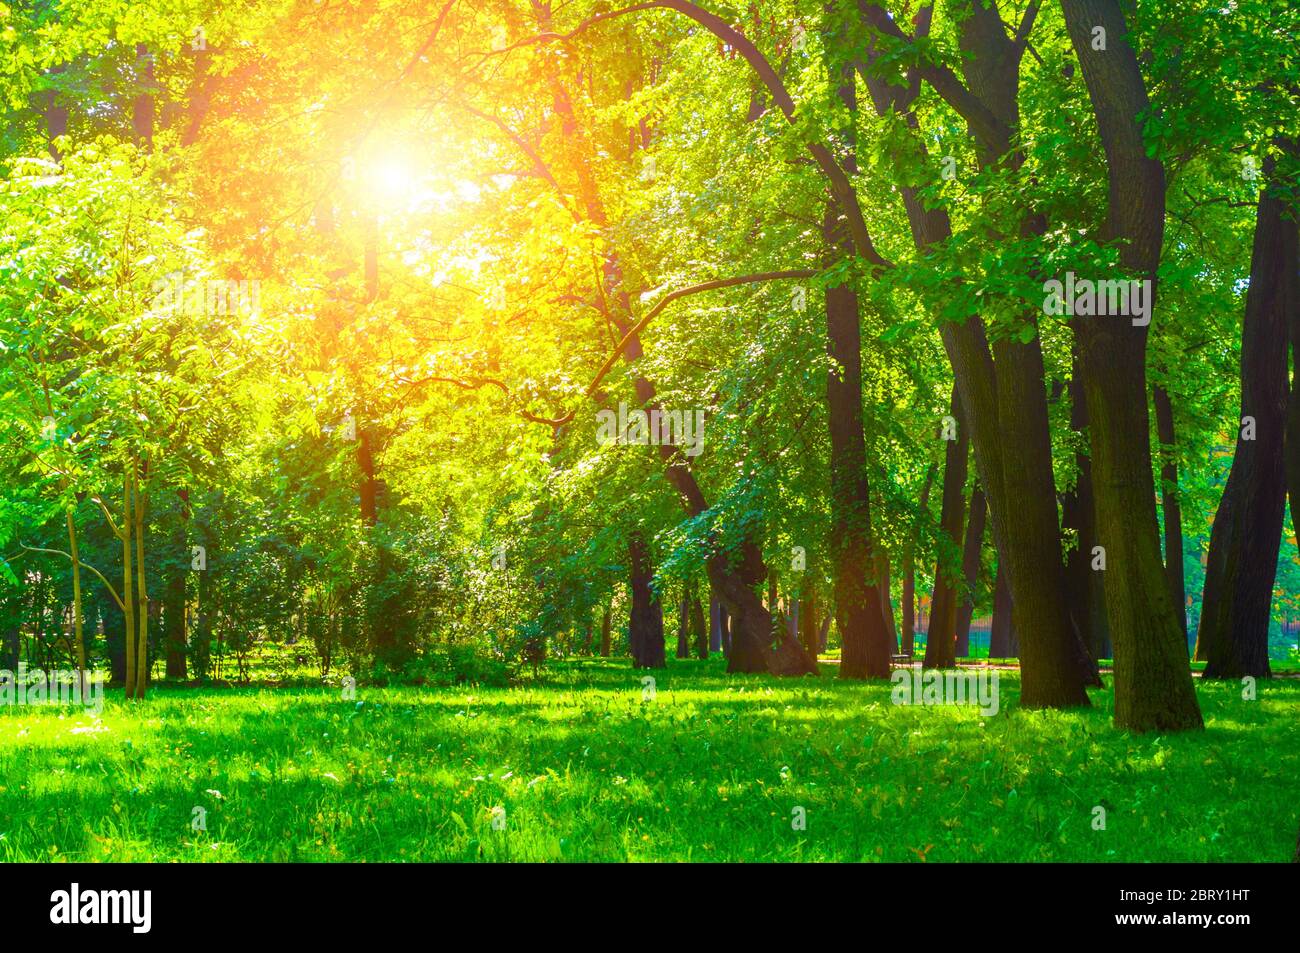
58, 552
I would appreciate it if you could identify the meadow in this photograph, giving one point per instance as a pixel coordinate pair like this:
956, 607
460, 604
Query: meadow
584, 763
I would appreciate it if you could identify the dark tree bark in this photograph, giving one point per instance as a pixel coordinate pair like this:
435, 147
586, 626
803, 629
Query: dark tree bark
1169, 503
1242, 563
1153, 685
866, 651
970, 567
646, 621
941, 635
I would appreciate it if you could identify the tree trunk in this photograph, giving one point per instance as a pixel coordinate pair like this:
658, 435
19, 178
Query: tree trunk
941, 635
886, 598
646, 621
1242, 564
970, 566
1153, 686
866, 651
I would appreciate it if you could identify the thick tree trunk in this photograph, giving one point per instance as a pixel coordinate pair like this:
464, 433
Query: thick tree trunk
646, 621
1242, 564
646, 618
1170, 506
866, 651
942, 631
970, 566
1153, 686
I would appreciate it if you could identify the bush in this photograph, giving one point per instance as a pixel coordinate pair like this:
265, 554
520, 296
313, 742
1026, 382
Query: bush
456, 665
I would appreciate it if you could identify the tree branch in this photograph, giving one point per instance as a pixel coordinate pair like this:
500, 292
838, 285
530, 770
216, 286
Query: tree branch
58, 552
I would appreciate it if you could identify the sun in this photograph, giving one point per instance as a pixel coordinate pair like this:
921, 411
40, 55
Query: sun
394, 181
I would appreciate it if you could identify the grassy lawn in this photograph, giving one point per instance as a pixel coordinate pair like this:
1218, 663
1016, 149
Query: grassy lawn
710, 769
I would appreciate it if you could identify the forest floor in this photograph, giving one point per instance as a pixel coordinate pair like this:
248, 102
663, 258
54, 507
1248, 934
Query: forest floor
579, 765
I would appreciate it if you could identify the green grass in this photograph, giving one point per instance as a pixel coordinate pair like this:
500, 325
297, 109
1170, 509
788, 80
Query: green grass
711, 769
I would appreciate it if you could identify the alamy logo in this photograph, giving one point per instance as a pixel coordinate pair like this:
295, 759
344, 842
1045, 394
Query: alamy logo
211, 296
1088, 298
952, 687
74, 906
671, 428
60, 687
